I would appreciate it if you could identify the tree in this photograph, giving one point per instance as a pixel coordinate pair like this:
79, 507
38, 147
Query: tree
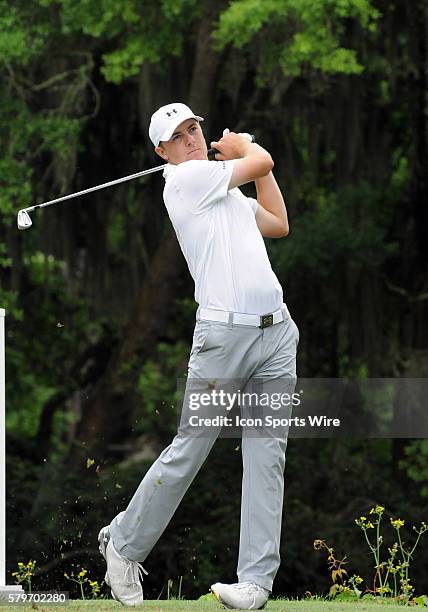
334, 88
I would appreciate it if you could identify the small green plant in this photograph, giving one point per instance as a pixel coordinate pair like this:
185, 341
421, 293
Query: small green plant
82, 579
342, 587
170, 586
391, 576
25, 573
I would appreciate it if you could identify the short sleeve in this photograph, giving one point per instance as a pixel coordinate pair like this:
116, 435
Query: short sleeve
254, 204
203, 183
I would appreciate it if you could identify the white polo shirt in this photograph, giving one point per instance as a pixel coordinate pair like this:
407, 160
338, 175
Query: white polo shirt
220, 240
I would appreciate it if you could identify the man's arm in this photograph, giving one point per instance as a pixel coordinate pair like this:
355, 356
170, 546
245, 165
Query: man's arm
253, 163
250, 160
271, 216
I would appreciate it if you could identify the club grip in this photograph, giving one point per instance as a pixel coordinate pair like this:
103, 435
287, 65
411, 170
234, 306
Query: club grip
212, 152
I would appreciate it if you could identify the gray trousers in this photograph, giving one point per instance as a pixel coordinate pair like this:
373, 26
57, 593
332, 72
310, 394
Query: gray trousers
240, 353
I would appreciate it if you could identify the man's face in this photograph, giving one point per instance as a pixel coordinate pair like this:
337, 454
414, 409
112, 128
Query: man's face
187, 142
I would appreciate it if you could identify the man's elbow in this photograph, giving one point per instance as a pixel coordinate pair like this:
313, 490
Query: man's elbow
279, 231
268, 164
283, 229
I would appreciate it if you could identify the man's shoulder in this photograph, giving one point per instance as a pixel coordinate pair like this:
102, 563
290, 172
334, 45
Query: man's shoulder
200, 182
201, 164
193, 165
199, 172
186, 170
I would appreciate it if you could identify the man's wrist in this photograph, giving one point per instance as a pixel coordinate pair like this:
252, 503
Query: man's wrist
252, 148
247, 148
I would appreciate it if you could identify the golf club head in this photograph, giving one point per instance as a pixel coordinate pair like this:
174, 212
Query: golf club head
23, 220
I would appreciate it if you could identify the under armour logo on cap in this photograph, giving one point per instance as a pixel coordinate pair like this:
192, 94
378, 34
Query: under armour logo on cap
167, 118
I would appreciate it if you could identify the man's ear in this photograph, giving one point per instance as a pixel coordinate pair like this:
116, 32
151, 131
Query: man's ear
161, 152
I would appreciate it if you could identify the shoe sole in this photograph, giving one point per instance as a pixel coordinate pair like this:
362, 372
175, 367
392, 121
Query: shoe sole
103, 540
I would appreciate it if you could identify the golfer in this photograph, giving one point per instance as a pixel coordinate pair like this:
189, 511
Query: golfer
243, 332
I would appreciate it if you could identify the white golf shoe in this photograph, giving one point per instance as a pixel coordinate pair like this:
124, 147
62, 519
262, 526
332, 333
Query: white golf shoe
241, 596
123, 575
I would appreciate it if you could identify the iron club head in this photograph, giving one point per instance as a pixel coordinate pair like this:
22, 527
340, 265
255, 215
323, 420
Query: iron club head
23, 220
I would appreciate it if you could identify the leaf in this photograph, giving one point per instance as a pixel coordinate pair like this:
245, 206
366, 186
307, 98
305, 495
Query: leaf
347, 596
208, 597
296, 34
338, 573
421, 601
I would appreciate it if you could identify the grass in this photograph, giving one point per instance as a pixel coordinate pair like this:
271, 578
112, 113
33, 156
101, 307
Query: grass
280, 605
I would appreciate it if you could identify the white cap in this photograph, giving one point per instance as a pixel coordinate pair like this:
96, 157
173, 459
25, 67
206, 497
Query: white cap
167, 118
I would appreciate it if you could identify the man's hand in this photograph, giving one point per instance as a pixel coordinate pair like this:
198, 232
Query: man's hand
250, 160
232, 146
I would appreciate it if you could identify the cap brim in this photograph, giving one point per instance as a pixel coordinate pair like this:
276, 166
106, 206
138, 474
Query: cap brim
171, 129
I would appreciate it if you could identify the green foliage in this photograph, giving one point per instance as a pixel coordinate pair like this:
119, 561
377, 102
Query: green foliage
415, 463
17, 191
392, 577
89, 589
301, 33
24, 573
421, 601
348, 228
22, 34
37, 363
28, 135
142, 46
32, 378
5, 262
337, 237
116, 235
400, 173
157, 385
27, 132
9, 301
142, 32
106, 17
25, 404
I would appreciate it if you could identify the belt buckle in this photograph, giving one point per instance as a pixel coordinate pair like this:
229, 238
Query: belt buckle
266, 320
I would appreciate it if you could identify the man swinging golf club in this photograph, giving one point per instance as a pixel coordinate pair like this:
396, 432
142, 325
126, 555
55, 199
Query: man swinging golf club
243, 331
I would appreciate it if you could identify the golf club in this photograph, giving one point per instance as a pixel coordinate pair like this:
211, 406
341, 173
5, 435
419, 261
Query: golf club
24, 219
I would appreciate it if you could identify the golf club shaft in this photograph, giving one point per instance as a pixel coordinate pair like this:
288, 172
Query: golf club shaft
130, 177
